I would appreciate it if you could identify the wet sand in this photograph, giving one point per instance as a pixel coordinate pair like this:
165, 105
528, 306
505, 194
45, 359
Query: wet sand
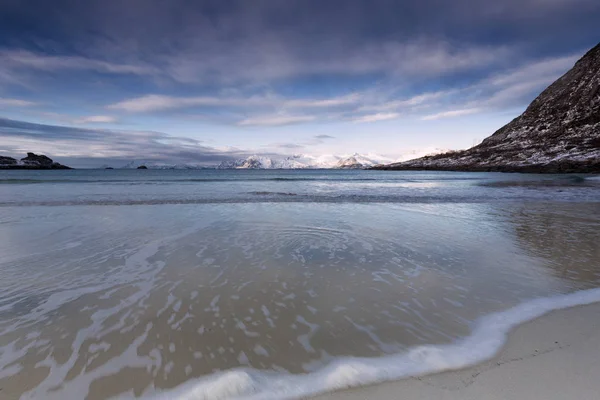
275, 300
554, 357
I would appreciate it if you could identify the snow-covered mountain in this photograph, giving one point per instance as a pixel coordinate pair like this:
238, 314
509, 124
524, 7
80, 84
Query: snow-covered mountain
301, 161
357, 161
298, 161
263, 162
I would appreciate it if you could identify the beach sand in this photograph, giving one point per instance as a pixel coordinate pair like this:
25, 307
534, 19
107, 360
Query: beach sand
556, 356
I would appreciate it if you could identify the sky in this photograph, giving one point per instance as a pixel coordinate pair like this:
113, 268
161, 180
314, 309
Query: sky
102, 82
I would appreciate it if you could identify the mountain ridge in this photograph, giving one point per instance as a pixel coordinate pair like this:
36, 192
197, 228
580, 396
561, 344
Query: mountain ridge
299, 161
558, 132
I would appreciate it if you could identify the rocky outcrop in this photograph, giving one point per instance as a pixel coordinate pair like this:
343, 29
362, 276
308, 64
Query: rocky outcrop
32, 161
558, 132
39, 160
7, 161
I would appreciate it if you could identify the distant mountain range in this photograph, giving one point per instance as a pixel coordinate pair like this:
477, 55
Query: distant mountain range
355, 161
559, 132
298, 161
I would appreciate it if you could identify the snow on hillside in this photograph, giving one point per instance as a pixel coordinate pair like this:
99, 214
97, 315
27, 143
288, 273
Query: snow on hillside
559, 132
298, 161
306, 162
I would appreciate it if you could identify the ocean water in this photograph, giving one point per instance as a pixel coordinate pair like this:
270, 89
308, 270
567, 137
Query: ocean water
276, 284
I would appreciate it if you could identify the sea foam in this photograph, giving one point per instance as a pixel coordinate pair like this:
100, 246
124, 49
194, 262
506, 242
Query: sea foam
485, 341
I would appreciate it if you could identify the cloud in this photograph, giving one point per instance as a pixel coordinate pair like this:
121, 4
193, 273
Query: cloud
80, 120
375, 117
273, 59
238, 63
451, 114
235, 43
289, 146
15, 103
154, 102
96, 146
276, 120
323, 137
322, 103
25, 59
412, 103
96, 119
519, 85
514, 86
545, 68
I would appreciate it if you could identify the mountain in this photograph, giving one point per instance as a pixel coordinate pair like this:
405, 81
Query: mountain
358, 161
305, 162
263, 162
32, 161
297, 161
558, 132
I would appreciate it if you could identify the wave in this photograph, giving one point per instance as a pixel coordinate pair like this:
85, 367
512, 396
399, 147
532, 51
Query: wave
175, 181
569, 180
485, 342
257, 197
265, 193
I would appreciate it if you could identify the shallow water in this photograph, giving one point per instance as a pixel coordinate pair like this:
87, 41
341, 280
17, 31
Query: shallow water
134, 282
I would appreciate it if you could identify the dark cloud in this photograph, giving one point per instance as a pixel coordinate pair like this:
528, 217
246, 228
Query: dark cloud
89, 147
290, 146
267, 64
204, 42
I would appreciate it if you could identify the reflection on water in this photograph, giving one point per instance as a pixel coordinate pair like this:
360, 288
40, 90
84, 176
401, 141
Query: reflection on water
567, 237
127, 300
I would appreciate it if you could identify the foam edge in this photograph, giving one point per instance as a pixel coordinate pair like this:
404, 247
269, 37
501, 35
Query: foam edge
485, 341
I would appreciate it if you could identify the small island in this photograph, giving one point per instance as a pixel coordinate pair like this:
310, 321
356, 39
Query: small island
32, 161
142, 167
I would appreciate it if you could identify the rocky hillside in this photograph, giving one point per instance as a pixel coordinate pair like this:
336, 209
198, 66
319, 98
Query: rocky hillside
559, 131
32, 161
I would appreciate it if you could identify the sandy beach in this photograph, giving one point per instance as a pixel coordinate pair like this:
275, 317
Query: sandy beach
556, 356
280, 299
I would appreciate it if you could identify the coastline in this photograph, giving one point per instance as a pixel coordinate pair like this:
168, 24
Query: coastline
32, 168
560, 167
543, 343
556, 356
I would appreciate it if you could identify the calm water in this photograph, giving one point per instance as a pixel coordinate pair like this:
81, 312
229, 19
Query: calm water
131, 283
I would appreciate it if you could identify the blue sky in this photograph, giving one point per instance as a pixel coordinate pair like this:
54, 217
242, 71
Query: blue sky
104, 82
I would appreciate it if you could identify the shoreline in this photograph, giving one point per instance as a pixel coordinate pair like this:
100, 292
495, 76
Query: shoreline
552, 168
555, 356
477, 367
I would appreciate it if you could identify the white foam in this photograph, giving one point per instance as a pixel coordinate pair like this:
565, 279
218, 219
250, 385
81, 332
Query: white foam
484, 342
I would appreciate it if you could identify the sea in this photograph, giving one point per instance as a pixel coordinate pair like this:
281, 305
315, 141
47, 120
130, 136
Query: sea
277, 284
